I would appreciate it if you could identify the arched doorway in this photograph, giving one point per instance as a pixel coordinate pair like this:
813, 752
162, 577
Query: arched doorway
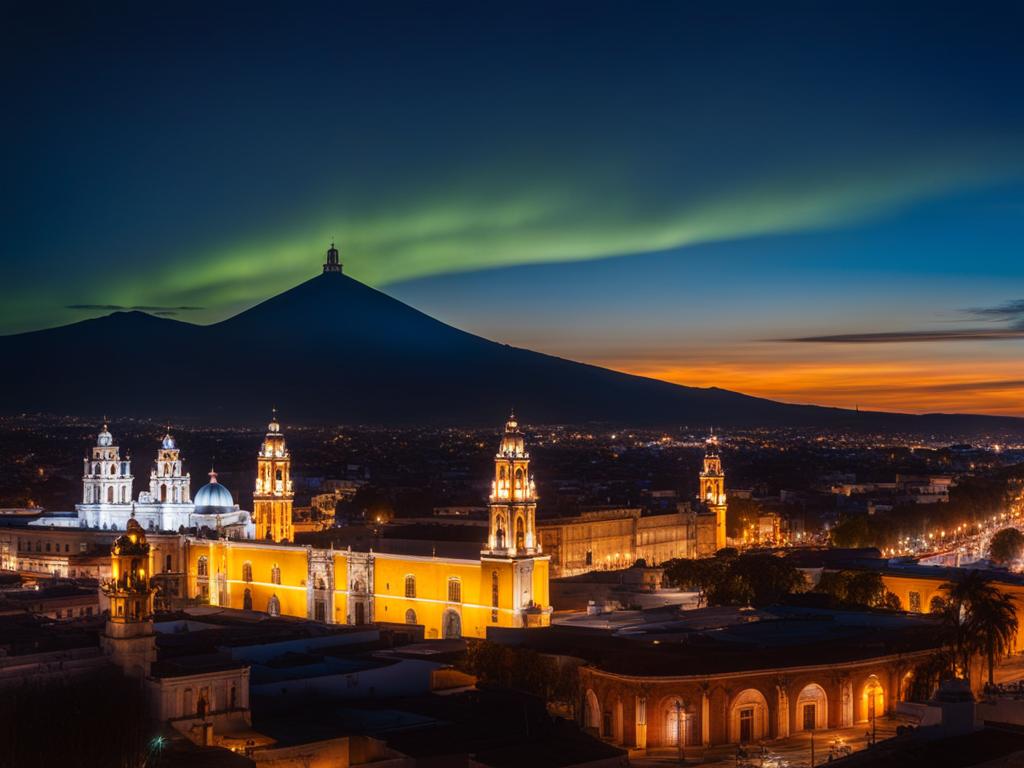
247, 600
748, 717
811, 708
679, 724
872, 700
451, 629
591, 711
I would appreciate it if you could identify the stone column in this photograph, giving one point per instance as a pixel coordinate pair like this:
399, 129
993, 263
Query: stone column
783, 714
705, 718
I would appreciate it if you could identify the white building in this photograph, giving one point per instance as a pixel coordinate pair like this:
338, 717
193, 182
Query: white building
107, 496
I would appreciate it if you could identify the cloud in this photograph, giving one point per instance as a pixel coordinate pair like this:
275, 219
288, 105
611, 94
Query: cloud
137, 308
902, 337
1010, 312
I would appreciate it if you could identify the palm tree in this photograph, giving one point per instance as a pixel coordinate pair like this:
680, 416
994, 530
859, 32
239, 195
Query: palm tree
981, 619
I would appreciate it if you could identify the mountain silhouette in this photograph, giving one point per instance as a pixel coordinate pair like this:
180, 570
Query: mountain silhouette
333, 350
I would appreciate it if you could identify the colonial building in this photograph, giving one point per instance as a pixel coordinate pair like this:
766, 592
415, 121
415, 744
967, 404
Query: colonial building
611, 539
446, 589
107, 496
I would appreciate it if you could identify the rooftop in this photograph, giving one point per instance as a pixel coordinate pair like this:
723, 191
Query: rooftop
724, 640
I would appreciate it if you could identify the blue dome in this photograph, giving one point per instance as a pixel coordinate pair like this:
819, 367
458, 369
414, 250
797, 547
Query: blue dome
213, 498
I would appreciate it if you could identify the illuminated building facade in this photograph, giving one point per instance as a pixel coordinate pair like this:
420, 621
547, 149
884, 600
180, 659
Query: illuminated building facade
448, 590
273, 497
129, 638
711, 524
610, 539
107, 496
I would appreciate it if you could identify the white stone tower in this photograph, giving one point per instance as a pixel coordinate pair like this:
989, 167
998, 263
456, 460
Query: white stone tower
167, 483
107, 479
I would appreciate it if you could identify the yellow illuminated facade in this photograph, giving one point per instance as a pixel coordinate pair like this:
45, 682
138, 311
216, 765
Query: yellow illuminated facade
449, 596
272, 499
712, 489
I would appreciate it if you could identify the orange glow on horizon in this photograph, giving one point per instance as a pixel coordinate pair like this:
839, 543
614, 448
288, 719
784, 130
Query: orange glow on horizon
911, 386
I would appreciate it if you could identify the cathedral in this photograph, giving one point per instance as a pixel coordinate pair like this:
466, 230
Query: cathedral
167, 506
445, 587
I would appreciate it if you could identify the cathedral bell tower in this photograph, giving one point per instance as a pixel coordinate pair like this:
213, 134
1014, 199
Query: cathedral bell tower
106, 478
272, 500
129, 638
513, 500
712, 488
167, 483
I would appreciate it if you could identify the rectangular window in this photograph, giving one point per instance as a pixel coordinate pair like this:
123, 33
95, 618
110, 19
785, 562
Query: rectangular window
454, 591
83, 547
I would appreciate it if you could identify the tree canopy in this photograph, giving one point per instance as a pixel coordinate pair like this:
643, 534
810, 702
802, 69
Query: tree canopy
1006, 546
732, 579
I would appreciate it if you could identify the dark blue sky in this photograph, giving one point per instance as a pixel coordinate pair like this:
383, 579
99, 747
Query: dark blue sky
677, 189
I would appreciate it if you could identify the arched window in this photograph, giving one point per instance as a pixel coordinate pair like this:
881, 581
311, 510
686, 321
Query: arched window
247, 571
167, 470
275, 574
163, 491
279, 476
110, 494
168, 563
247, 600
454, 590
203, 566
520, 534
410, 616
519, 479
410, 586
124, 494
451, 627
274, 606
113, 470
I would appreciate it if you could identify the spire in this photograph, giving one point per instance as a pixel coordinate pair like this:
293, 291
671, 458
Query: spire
213, 474
273, 426
332, 264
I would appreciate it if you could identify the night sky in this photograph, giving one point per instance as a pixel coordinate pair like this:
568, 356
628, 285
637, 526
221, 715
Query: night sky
815, 202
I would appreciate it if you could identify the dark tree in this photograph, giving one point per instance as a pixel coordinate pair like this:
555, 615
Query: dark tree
1007, 545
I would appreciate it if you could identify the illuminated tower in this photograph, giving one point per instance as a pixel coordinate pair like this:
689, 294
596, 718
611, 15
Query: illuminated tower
129, 638
513, 501
106, 478
332, 265
167, 483
272, 501
712, 488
